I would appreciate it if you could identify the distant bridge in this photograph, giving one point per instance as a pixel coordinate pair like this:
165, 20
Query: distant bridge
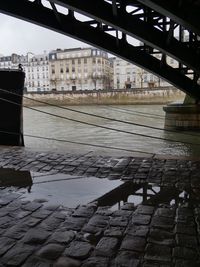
111, 24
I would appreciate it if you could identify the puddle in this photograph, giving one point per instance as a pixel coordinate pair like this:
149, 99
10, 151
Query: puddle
71, 191
68, 190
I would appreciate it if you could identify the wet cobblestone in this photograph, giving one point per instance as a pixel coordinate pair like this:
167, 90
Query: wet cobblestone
163, 230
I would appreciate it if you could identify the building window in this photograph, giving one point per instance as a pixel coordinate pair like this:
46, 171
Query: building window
53, 71
85, 60
61, 70
79, 61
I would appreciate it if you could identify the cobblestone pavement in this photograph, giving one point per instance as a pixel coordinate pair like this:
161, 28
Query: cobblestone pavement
163, 230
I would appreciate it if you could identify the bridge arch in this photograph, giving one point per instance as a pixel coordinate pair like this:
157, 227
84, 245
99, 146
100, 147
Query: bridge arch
110, 23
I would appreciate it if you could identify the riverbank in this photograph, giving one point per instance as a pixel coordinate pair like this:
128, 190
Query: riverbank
151, 219
112, 97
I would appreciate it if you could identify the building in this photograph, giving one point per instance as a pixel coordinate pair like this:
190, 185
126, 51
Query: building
80, 69
124, 74
12, 61
37, 72
36, 69
127, 75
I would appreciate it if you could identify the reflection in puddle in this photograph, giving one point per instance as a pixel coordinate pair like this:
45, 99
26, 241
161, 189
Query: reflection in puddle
71, 191
68, 190
10, 177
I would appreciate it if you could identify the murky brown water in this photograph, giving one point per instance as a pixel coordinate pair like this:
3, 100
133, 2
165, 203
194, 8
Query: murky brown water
48, 126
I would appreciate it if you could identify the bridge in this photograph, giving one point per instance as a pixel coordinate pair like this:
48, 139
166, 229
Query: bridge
161, 26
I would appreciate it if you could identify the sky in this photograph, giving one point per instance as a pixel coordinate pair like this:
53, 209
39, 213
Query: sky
21, 37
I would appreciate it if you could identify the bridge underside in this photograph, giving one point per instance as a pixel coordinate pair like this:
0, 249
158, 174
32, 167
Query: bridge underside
164, 28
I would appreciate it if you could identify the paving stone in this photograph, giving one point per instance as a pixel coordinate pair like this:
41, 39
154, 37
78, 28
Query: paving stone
93, 229
93, 239
127, 259
104, 211
133, 243
118, 221
185, 263
41, 214
67, 262
96, 262
52, 207
144, 209
140, 219
32, 206
50, 251
162, 222
63, 237
156, 264
16, 232
186, 240
185, 253
137, 230
165, 212
59, 215
106, 246
79, 250
74, 223
5, 244
99, 220
31, 222
158, 253
50, 223
20, 214
84, 211
17, 255
113, 232
161, 237
36, 236
185, 229
122, 213
6, 221
37, 262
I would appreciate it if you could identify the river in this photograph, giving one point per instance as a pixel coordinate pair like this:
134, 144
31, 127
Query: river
44, 125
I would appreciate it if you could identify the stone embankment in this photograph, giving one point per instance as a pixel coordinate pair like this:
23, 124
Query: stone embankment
112, 97
162, 230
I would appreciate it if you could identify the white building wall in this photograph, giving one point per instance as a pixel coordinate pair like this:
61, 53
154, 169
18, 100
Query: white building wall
124, 74
127, 75
37, 73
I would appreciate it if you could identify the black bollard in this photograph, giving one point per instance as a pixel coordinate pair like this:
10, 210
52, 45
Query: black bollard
11, 116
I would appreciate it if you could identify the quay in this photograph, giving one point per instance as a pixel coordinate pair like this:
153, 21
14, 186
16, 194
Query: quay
161, 229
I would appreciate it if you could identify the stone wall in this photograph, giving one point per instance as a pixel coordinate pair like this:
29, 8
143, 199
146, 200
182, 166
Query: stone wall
128, 96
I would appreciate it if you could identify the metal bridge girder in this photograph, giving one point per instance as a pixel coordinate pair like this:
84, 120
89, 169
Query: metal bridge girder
68, 25
135, 27
186, 12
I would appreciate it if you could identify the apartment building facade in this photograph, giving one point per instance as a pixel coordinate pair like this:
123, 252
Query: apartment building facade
12, 61
37, 73
80, 69
127, 75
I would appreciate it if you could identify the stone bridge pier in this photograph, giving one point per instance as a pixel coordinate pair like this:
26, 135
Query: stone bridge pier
184, 116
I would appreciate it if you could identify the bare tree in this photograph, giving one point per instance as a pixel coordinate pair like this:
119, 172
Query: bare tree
141, 73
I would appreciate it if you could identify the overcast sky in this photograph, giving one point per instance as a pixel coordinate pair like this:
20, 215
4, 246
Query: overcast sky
18, 36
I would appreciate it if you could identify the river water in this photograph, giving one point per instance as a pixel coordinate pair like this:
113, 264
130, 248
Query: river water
44, 125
